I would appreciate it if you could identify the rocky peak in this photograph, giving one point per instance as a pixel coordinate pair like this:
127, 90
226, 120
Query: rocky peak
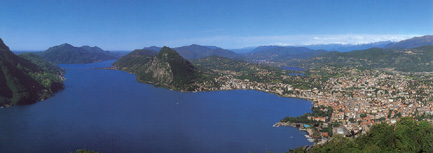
167, 68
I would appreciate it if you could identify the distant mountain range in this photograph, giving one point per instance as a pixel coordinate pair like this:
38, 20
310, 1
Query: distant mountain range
216, 62
410, 55
327, 47
348, 47
27, 78
280, 54
408, 43
196, 51
243, 50
290, 55
414, 42
418, 59
68, 54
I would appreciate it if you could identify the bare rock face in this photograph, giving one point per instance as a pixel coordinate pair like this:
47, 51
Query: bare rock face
160, 71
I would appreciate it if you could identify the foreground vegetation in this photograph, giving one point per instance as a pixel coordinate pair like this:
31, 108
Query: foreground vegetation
407, 135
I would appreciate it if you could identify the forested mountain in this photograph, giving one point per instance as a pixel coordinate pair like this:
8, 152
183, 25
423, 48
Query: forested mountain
196, 51
239, 69
222, 63
27, 78
68, 54
415, 60
167, 68
281, 54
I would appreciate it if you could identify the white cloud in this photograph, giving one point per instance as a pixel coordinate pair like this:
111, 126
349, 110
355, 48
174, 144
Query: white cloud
282, 44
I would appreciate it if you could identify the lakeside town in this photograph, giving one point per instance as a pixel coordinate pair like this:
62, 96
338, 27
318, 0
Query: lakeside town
356, 98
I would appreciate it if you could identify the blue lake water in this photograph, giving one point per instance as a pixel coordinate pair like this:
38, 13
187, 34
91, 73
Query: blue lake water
109, 111
294, 74
294, 69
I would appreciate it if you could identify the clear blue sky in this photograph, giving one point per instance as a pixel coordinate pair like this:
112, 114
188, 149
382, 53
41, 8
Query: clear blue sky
130, 24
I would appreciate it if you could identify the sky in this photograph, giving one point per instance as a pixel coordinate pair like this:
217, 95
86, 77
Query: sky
131, 24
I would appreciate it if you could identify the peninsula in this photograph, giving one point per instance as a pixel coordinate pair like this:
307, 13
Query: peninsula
166, 68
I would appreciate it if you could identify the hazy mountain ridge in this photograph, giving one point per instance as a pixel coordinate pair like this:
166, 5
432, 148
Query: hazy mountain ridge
68, 54
348, 47
414, 42
196, 51
279, 54
222, 63
327, 47
154, 48
274, 53
418, 59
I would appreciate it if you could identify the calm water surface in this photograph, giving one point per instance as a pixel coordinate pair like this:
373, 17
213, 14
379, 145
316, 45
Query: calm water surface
292, 68
108, 111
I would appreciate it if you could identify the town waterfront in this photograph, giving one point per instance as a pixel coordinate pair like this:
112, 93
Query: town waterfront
108, 110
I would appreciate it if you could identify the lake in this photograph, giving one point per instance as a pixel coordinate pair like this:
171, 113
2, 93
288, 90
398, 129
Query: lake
109, 111
293, 69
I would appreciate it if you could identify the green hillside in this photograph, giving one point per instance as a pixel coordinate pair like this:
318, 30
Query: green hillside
408, 60
407, 135
241, 69
222, 63
135, 60
281, 54
68, 54
27, 78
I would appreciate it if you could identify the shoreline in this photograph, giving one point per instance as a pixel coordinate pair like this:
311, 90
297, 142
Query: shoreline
263, 90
